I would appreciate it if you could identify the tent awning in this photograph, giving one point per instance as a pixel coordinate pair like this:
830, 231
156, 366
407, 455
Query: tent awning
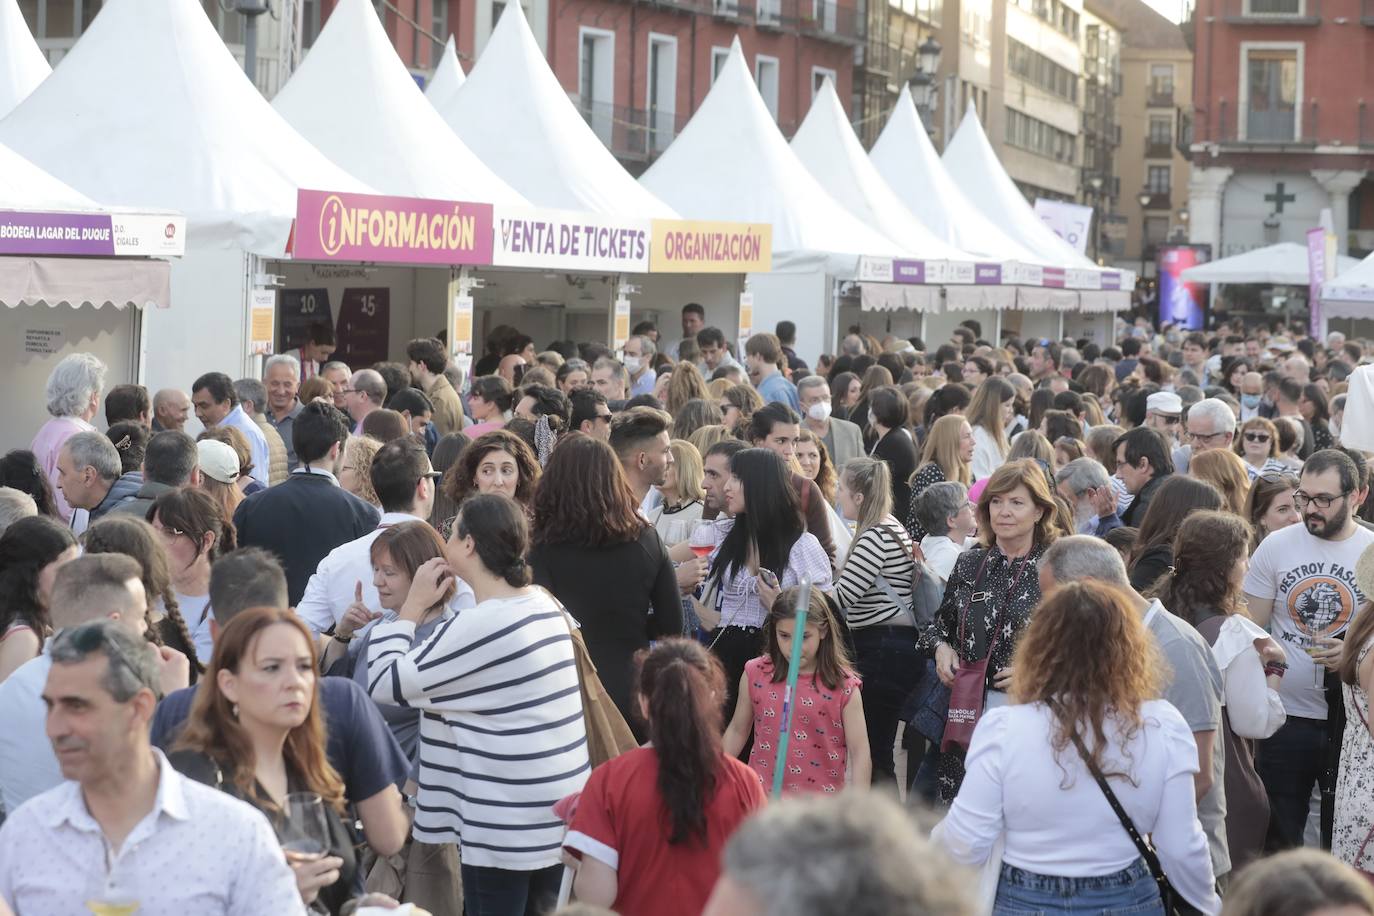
1284, 264
97, 282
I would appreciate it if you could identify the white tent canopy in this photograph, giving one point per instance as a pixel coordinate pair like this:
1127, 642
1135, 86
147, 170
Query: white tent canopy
1284, 264
355, 100
22, 64
150, 109
731, 163
1350, 294
827, 146
24, 186
973, 165
907, 161
513, 113
448, 77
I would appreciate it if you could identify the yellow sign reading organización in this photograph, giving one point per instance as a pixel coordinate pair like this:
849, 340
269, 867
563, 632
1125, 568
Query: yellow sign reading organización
691, 247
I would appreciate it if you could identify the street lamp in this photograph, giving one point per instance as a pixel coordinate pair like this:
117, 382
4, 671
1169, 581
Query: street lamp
922, 82
1144, 198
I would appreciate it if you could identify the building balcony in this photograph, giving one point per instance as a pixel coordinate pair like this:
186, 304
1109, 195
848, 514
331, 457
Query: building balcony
830, 21
1159, 98
879, 59
1158, 148
1159, 200
1263, 131
634, 135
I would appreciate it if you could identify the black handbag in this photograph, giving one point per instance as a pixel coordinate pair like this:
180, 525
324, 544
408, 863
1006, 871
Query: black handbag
1174, 904
927, 707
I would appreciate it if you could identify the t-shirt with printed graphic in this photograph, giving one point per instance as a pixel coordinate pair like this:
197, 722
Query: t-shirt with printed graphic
1312, 583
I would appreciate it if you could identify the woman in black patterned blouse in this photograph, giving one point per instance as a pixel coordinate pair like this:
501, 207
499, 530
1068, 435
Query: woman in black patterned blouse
992, 590
948, 451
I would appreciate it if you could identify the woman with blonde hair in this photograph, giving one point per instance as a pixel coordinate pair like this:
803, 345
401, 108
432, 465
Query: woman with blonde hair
1225, 471
356, 474
685, 385
707, 436
946, 456
683, 498
1087, 721
989, 413
737, 407
716, 388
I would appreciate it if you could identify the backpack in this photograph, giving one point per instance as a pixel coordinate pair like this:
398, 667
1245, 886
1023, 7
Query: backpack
926, 591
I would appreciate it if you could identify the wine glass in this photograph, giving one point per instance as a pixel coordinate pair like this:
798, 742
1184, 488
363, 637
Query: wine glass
703, 539
304, 828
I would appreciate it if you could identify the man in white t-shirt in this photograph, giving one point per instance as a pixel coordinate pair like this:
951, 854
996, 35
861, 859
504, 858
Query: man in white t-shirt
1302, 587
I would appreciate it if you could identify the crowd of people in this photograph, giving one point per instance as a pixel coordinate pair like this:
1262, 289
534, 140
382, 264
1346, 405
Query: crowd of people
1086, 628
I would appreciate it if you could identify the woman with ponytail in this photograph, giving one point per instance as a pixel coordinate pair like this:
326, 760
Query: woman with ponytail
501, 731
652, 823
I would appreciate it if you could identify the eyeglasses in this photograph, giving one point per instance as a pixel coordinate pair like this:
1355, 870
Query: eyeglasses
1321, 500
1256, 437
604, 417
1168, 420
1204, 437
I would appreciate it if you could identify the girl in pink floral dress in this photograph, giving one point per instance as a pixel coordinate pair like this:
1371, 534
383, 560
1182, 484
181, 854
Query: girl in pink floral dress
829, 745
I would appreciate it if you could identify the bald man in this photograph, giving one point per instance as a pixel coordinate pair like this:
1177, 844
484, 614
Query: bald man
365, 394
171, 408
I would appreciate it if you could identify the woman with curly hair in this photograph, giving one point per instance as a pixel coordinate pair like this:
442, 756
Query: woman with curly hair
31, 550
816, 464
1211, 554
356, 474
685, 385
497, 462
1085, 694
737, 407
599, 556
135, 538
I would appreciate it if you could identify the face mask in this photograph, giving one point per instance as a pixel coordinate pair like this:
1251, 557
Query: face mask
1250, 401
633, 364
819, 410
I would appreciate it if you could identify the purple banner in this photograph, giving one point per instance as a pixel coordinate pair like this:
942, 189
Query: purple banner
908, 271
1111, 280
90, 234
1053, 276
988, 275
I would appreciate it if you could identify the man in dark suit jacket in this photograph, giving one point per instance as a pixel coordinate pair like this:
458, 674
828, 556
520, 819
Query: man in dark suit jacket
307, 515
1142, 462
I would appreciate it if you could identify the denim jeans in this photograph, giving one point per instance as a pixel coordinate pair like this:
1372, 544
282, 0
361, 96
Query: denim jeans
890, 665
502, 892
1290, 763
1129, 892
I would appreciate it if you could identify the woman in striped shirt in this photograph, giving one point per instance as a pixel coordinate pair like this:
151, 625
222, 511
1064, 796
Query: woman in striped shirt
501, 732
873, 589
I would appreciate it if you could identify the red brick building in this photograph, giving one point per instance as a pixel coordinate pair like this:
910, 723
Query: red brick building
639, 69
1281, 125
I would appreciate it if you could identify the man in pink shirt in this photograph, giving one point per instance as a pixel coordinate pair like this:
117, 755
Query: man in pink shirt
73, 394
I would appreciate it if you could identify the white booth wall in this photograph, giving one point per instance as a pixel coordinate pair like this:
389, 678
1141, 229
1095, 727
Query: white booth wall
1028, 325
34, 338
1098, 327
803, 298
205, 329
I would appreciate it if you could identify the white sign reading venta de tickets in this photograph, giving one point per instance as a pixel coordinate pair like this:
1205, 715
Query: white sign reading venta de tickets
567, 240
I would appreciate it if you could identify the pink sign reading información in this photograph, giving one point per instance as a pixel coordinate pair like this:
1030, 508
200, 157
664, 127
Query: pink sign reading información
339, 226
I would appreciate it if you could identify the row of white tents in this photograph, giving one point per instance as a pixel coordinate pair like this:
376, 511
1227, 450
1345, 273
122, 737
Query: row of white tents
150, 110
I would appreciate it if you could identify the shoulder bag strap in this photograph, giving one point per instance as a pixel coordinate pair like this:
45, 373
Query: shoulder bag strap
1146, 851
882, 582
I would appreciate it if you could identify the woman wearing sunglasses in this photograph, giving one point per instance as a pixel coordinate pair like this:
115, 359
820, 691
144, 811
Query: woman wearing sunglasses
1258, 446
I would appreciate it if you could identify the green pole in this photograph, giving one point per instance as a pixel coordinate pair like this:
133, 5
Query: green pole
785, 733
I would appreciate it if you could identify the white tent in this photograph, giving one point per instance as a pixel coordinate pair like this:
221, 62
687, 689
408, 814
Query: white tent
24, 186
827, 146
731, 163
973, 165
1350, 294
356, 102
448, 77
906, 159
22, 64
515, 116
150, 109
1284, 264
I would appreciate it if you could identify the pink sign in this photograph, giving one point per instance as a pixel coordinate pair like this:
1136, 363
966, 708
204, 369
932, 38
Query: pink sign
338, 226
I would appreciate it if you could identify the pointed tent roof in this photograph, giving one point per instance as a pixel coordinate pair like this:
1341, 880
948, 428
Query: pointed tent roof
513, 113
22, 64
356, 102
24, 186
1284, 264
731, 163
905, 157
181, 128
972, 163
828, 147
448, 77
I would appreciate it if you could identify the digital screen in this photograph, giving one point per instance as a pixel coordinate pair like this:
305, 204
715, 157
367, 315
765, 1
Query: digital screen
1181, 303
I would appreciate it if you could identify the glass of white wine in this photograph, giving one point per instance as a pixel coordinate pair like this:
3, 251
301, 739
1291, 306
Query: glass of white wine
304, 828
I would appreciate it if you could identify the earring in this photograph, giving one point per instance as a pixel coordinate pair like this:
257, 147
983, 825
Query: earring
234, 710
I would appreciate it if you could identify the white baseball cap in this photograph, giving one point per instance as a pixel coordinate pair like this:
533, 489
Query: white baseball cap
218, 461
1164, 402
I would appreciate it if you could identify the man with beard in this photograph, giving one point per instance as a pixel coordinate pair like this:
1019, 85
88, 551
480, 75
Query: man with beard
1301, 586
1087, 488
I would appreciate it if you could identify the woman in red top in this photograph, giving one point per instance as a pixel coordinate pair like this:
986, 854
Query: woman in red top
651, 824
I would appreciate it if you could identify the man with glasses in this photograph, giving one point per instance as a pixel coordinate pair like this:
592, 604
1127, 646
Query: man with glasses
1142, 463
591, 414
1302, 587
1164, 412
126, 833
1210, 424
404, 481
